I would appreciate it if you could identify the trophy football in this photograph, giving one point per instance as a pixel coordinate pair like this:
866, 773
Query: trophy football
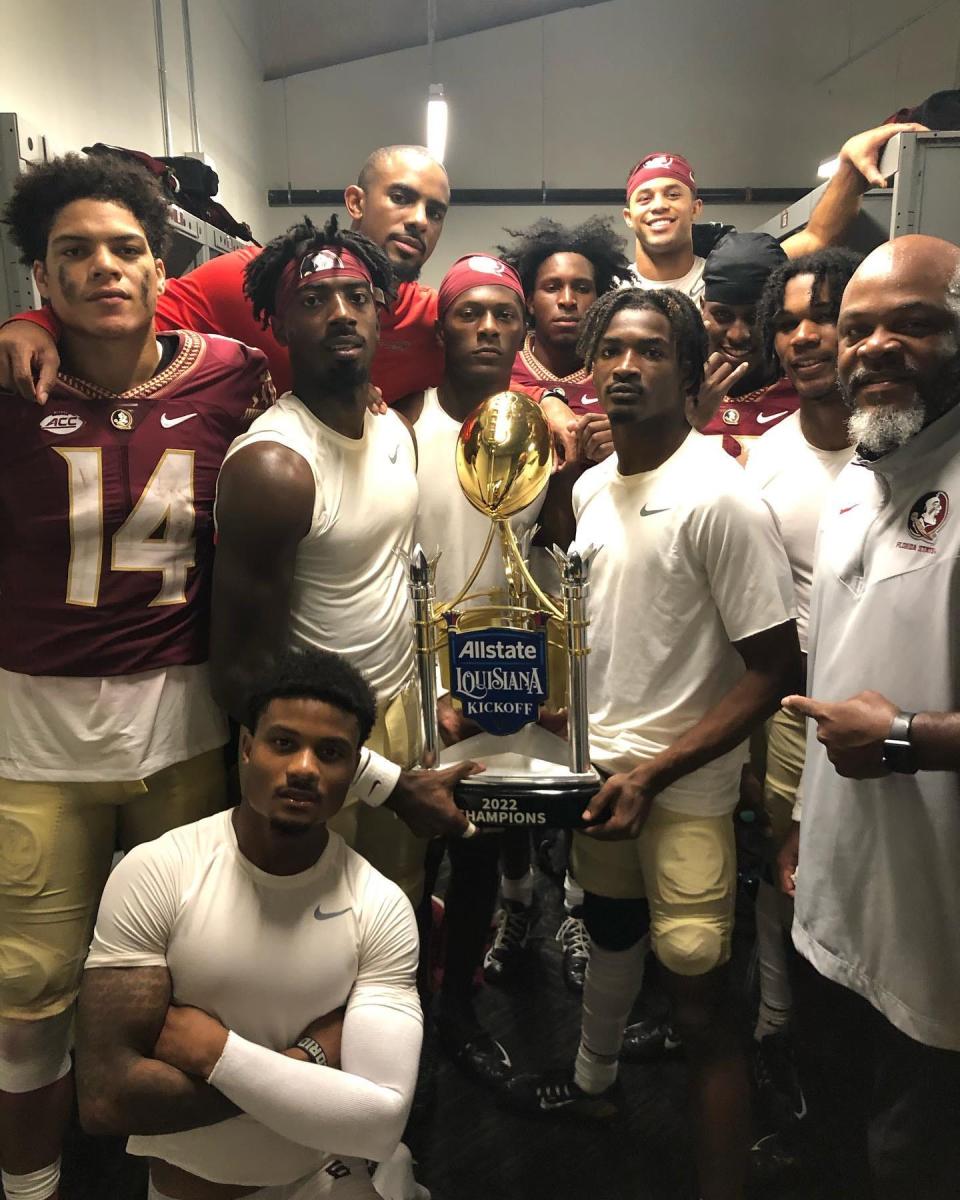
511, 649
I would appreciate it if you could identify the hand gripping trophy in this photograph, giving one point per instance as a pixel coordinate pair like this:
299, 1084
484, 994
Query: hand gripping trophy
510, 651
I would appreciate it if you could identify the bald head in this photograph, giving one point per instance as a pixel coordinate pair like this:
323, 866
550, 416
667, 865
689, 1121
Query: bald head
899, 333
382, 158
400, 201
914, 261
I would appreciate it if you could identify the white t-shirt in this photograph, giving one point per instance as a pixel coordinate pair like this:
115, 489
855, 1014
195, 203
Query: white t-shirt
795, 479
265, 954
690, 284
691, 562
350, 586
878, 902
446, 518
118, 728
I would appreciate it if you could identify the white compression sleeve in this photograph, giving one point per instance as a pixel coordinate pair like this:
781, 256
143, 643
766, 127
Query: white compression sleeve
360, 1110
375, 777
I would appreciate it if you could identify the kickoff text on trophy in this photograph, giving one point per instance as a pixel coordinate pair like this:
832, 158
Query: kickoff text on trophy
510, 649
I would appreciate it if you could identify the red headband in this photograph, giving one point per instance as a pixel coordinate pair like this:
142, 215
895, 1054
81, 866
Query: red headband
476, 270
661, 166
325, 263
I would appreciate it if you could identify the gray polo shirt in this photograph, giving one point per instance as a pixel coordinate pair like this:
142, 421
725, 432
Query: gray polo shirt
878, 887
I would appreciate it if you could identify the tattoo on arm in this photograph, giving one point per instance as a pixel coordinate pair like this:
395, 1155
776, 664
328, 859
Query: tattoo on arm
122, 1089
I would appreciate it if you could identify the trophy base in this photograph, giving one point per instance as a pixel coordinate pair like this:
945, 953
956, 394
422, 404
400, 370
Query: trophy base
527, 782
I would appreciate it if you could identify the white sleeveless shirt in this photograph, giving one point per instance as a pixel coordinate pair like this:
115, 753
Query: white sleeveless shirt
446, 519
350, 586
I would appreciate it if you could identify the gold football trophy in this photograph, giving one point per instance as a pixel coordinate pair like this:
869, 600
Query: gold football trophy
502, 643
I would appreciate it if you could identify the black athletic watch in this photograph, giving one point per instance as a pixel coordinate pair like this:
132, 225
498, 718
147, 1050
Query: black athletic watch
313, 1049
898, 751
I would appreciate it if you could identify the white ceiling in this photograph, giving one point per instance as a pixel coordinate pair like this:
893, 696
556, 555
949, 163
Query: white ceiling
303, 35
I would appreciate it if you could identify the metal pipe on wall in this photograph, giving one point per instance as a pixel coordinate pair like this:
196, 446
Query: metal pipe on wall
191, 84
162, 76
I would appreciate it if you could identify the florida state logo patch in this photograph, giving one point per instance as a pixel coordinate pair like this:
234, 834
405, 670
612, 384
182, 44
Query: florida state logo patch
928, 515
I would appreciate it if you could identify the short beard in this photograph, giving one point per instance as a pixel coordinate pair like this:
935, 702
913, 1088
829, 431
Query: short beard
877, 431
344, 377
406, 273
289, 829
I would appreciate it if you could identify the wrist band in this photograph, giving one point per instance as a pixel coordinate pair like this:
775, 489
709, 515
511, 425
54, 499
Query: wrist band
309, 1046
375, 778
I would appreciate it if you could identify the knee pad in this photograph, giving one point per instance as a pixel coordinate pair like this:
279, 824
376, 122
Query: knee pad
690, 948
34, 1054
615, 924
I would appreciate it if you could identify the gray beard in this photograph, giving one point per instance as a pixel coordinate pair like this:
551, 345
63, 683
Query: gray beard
880, 430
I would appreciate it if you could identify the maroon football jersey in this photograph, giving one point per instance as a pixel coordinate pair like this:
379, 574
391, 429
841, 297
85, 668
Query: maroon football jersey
106, 502
742, 419
578, 390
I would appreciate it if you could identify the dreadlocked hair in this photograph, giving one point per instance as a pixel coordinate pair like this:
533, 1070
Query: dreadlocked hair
47, 188
832, 267
262, 275
594, 239
689, 335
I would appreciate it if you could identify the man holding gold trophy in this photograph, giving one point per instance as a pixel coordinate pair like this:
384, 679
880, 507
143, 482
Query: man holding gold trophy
473, 593
692, 644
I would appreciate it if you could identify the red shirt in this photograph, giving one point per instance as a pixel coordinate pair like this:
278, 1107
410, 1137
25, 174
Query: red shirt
529, 374
210, 299
106, 508
742, 419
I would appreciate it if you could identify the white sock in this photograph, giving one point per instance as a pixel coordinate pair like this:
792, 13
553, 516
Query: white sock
520, 891
36, 1185
776, 997
613, 981
572, 893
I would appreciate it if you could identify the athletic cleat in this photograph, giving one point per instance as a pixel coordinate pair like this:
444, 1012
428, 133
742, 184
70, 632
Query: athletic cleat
649, 1040
573, 937
778, 1085
554, 1093
503, 958
777, 1160
471, 1047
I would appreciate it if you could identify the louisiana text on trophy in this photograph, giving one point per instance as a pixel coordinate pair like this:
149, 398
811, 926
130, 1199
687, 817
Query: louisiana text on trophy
513, 649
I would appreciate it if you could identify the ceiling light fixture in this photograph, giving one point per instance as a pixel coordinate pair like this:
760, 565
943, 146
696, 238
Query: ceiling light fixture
436, 102
436, 122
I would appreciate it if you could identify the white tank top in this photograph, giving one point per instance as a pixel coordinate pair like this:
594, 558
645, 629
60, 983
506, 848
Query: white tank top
446, 519
350, 587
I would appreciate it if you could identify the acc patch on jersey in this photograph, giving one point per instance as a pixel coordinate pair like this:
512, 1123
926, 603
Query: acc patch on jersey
927, 515
61, 423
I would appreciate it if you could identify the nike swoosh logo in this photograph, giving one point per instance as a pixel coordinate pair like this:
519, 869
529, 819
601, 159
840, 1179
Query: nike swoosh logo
322, 916
393, 456
849, 508
652, 512
766, 418
801, 1111
169, 422
549, 1105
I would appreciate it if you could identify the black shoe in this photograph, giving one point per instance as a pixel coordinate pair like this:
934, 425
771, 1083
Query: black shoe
470, 1046
554, 1093
504, 957
649, 1040
777, 1159
573, 937
779, 1093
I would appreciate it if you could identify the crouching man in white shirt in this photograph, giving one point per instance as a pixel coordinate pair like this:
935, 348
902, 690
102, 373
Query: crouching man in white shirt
208, 1028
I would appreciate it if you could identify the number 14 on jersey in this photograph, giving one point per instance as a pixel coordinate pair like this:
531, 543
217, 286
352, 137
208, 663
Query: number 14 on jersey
158, 535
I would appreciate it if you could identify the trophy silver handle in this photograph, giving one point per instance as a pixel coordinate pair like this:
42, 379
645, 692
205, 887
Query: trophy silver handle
422, 573
575, 585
